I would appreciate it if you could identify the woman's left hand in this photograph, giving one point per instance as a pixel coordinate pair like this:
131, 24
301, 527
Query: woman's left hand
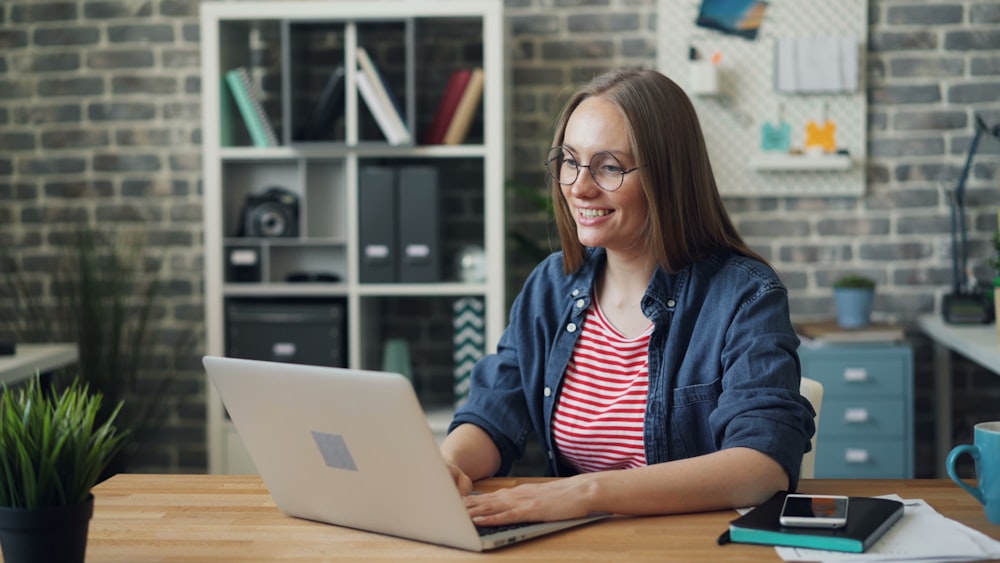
561, 499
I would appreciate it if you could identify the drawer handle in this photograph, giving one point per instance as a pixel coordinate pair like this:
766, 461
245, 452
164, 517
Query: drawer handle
283, 349
856, 455
855, 374
856, 414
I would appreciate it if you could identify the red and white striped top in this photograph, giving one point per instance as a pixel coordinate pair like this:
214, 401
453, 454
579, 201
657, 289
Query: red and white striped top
598, 419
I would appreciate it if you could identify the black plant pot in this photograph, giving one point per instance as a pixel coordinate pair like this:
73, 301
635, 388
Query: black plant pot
57, 533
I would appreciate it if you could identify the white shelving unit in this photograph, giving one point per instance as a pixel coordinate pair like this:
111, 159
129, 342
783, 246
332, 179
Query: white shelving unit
284, 43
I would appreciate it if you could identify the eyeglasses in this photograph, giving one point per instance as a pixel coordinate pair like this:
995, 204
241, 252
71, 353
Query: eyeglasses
605, 169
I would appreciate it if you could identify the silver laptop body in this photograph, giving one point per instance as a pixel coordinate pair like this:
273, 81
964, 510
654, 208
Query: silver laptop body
351, 448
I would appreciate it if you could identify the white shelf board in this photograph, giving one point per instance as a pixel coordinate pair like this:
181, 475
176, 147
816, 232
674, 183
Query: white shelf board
778, 162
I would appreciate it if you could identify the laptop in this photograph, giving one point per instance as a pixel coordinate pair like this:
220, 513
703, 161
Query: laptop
352, 448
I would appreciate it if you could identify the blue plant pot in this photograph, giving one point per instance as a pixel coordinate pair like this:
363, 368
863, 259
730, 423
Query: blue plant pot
854, 306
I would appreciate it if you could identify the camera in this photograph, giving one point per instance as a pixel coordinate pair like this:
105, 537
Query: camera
272, 213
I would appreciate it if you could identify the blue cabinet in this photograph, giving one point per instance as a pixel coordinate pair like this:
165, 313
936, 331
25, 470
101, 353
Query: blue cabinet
866, 423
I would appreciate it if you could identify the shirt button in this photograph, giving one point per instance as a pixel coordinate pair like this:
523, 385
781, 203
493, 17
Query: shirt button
547, 392
671, 303
551, 455
571, 327
580, 303
576, 292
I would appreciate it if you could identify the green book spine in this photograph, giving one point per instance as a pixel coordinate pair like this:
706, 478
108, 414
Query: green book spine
250, 108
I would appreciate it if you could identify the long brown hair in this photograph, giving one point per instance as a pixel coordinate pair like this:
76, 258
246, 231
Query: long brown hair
687, 220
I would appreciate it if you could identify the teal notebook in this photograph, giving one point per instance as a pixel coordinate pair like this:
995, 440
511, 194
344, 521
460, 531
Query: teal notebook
867, 520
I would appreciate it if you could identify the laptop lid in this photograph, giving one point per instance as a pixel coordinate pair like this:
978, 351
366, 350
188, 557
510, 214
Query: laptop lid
351, 448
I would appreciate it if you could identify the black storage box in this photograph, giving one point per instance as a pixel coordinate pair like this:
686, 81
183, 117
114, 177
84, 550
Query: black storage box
288, 330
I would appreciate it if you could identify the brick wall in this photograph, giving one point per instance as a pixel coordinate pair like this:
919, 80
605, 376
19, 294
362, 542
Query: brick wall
100, 119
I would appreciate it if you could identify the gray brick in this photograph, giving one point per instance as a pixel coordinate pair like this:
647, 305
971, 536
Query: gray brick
909, 146
45, 166
975, 92
815, 253
895, 252
190, 162
896, 95
13, 89
36, 11
972, 40
130, 58
939, 120
127, 213
534, 25
66, 36
79, 189
773, 228
639, 47
183, 59
66, 215
118, 9
921, 276
75, 139
986, 12
927, 172
883, 41
81, 86
191, 33
155, 85
985, 66
126, 162
578, 3
853, 227
616, 23
148, 137
13, 38
38, 114
180, 8
923, 224
16, 141
51, 62
152, 33
924, 15
563, 50
121, 111
927, 67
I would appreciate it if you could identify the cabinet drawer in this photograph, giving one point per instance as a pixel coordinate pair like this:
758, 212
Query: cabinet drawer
846, 377
862, 417
871, 459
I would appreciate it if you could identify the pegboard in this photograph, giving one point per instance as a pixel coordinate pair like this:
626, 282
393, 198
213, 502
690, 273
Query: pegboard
747, 98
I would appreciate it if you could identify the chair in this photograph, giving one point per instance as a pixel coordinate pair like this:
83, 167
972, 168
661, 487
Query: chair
812, 390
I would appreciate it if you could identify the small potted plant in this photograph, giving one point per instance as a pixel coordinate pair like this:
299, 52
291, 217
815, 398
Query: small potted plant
853, 295
53, 452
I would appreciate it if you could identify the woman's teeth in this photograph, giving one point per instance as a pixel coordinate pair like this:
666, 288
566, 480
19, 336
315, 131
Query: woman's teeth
594, 212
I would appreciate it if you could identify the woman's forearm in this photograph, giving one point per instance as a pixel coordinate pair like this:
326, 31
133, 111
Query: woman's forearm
470, 449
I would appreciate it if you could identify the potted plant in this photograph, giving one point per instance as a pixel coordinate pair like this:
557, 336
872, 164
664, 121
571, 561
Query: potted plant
53, 452
853, 295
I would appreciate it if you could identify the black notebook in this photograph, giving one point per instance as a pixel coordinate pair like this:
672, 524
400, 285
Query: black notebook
867, 520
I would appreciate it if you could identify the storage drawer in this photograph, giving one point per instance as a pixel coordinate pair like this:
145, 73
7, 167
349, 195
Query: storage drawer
856, 377
866, 418
862, 459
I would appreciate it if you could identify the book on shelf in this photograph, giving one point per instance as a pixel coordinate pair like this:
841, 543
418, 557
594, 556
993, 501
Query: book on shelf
446, 106
250, 103
458, 128
829, 332
329, 106
868, 519
380, 101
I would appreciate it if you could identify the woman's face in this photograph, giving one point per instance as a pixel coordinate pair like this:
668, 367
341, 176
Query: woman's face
612, 220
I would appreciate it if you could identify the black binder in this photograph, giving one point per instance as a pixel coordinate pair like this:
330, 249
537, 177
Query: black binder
419, 230
377, 224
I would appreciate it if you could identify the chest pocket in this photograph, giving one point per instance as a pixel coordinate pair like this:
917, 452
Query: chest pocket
690, 433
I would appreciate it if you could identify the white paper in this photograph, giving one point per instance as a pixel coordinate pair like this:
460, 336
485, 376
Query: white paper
922, 535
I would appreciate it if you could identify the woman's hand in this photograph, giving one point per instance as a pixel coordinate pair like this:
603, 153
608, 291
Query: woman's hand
462, 481
561, 499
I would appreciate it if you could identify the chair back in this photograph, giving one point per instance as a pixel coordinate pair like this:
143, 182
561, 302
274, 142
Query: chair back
812, 390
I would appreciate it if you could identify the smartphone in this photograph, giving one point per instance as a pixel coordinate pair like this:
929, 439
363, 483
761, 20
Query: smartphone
814, 511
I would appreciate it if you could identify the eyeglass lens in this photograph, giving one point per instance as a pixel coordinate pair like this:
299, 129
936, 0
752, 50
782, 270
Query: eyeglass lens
606, 170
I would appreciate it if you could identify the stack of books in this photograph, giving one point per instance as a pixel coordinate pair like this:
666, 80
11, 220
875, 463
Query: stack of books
457, 107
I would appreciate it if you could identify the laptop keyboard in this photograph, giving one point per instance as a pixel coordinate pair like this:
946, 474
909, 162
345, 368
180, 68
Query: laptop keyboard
490, 530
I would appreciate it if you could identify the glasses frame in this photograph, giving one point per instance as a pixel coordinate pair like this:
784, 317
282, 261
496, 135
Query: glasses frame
621, 179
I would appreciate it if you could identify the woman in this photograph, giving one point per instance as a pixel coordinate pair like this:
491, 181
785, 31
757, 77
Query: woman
654, 356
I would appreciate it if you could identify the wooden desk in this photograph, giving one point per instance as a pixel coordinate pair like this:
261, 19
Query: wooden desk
977, 342
232, 518
29, 358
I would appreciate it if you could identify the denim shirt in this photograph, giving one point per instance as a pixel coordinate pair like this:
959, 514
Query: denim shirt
723, 366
